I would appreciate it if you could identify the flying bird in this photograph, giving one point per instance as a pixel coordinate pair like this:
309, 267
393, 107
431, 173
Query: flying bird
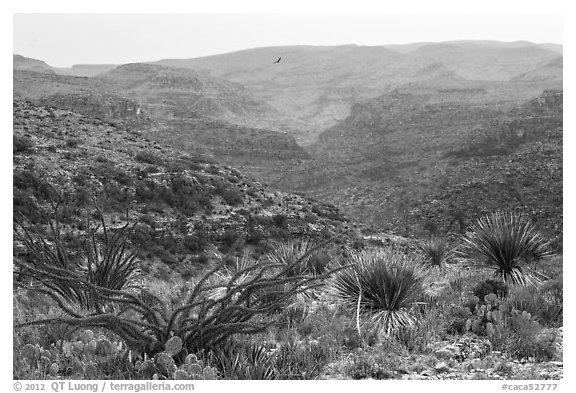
278, 61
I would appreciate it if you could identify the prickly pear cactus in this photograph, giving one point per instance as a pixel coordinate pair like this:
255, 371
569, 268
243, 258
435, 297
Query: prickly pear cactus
165, 364
181, 374
210, 373
191, 359
526, 315
193, 369
173, 346
104, 347
489, 329
54, 368
91, 370
31, 353
86, 336
491, 297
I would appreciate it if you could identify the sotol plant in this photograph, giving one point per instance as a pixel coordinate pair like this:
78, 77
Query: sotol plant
381, 286
436, 251
505, 242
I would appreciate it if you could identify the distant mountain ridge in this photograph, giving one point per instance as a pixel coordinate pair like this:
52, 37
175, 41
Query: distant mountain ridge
314, 87
317, 86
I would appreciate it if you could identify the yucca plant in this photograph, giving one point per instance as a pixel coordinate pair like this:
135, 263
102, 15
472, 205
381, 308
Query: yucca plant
505, 242
381, 286
436, 251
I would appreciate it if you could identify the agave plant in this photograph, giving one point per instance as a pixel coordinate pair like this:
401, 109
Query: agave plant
505, 242
381, 285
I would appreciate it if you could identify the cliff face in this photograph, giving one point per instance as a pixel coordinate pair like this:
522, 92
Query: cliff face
102, 106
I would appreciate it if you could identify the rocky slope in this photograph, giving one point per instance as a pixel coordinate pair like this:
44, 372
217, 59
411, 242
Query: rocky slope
405, 160
171, 105
186, 206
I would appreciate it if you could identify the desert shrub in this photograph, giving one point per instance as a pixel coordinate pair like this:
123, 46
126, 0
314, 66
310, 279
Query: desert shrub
229, 238
146, 191
81, 179
544, 303
24, 205
142, 173
506, 243
118, 197
528, 340
212, 169
488, 286
108, 171
28, 180
22, 144
198, 242
72, 142
231, 196
457, 317
280, 220
374, 365
149, 157
201, 259
381, 286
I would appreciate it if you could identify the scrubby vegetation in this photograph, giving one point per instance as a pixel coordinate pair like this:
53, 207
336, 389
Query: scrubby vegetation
301, 311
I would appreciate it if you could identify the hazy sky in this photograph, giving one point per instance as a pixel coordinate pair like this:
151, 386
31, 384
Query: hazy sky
65, 39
